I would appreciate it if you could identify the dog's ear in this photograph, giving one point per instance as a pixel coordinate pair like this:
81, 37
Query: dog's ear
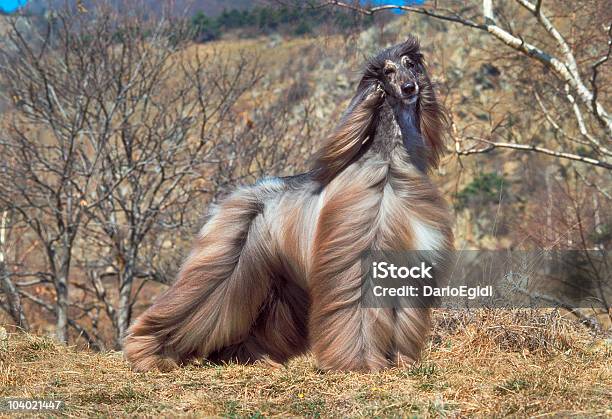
434, 124
356, 126
411, 44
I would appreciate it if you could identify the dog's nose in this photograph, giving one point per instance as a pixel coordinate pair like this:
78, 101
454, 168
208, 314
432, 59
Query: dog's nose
409, 88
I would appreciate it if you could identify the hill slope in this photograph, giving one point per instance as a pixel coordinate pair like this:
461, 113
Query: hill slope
210, 7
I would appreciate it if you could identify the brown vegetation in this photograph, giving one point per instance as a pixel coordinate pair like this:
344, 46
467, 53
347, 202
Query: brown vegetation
483, 363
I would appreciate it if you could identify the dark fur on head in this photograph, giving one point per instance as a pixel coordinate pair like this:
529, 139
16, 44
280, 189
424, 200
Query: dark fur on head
397, 75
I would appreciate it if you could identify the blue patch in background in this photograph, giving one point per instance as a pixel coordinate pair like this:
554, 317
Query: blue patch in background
400, 3
11, 5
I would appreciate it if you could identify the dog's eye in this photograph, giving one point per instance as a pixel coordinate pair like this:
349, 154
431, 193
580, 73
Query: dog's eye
407, 62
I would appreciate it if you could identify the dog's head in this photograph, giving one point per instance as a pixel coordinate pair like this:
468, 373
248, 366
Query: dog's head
397, 76
401, 73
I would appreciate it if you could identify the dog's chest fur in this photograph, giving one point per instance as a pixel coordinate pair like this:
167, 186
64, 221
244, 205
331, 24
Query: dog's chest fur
384, 194
380, 201
410, 189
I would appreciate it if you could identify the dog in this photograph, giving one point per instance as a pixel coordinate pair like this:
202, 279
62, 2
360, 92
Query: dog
275, 270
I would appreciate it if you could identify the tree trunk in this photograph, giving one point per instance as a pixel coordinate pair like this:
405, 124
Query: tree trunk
13, 299
124, 314
12, 296
61, 309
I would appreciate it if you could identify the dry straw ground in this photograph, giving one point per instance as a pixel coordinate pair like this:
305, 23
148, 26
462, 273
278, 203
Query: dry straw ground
485, 363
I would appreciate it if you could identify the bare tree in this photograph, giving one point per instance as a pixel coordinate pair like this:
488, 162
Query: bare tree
121, 131
49, 161
172, 125
113, 124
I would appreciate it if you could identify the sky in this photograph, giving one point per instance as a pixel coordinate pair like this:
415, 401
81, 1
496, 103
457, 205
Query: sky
10, 5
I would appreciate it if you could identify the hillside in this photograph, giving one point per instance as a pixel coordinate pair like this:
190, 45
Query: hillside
484, 363
210, 7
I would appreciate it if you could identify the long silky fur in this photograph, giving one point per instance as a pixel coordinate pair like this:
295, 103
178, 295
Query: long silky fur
275, 271
356, 125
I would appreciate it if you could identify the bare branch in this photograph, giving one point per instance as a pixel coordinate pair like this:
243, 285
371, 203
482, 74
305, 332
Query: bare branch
595, 73
549, 117
582, 126
419, 10
567, 71
491, 145
593, 185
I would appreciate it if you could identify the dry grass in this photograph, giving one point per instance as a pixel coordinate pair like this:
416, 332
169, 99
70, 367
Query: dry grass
485, 363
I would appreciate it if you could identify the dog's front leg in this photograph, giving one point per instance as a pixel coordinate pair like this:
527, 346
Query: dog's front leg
344, 335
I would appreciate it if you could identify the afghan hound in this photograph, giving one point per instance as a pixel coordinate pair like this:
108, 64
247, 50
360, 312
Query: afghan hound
275, 271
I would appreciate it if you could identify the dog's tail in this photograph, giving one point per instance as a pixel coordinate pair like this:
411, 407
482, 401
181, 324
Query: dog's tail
219, 289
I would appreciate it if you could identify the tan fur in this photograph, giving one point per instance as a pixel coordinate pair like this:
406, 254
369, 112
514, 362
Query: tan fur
276, 269
346, 141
